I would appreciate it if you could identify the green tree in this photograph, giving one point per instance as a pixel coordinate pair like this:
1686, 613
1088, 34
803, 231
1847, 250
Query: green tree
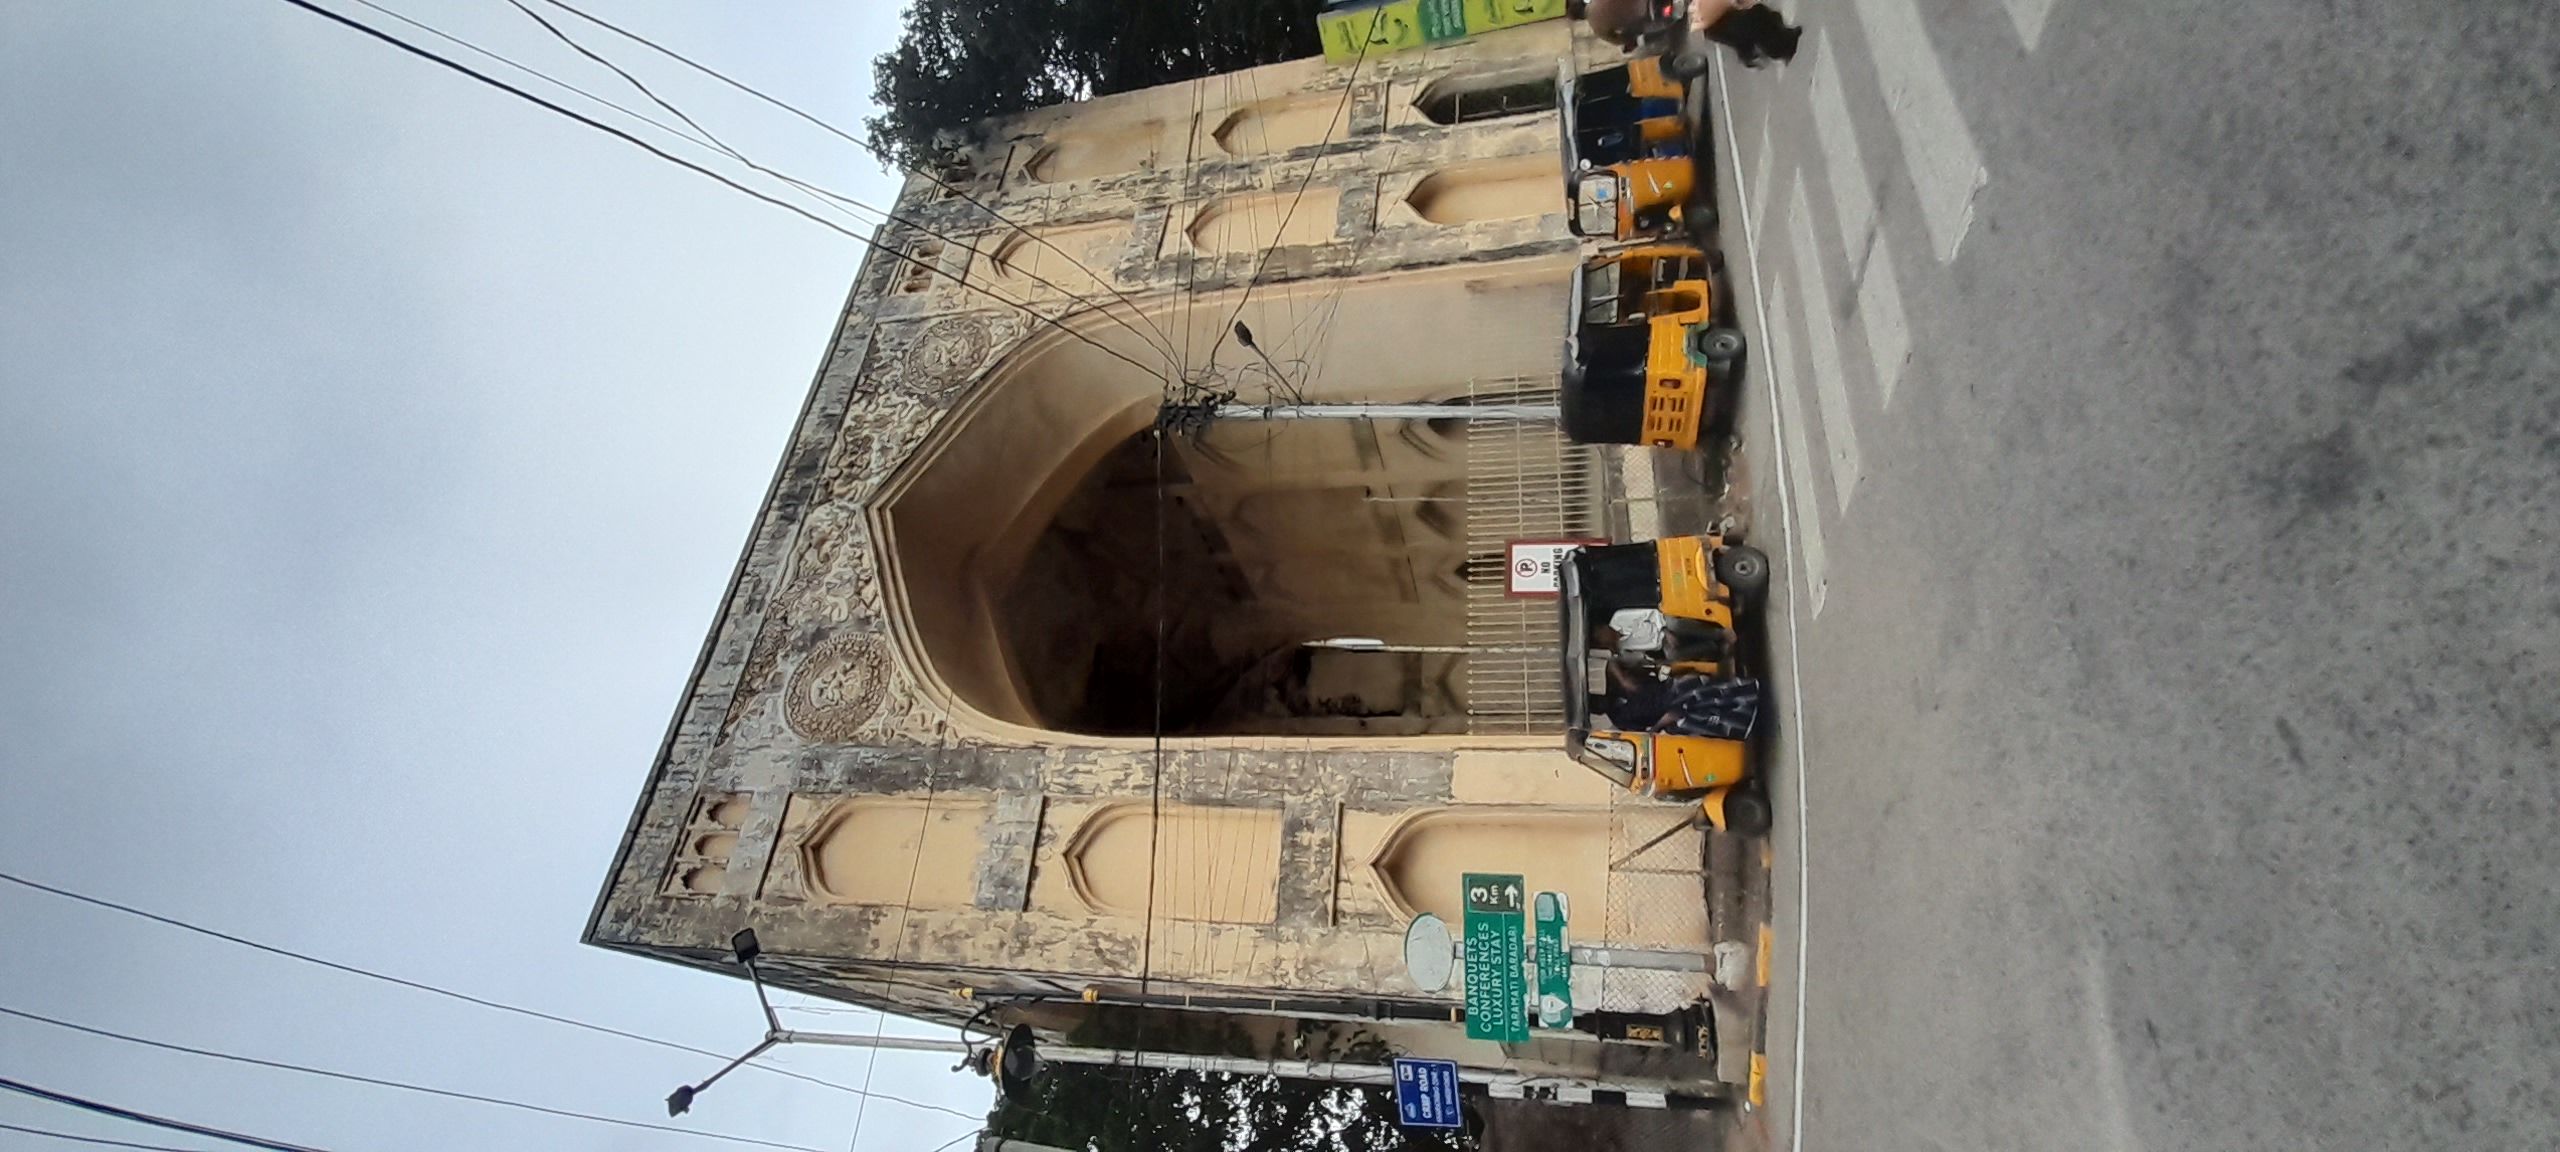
960, 61
1089, 1108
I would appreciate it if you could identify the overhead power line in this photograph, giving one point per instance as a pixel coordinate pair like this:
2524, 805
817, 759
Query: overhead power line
937, 181
529, 70
70, 1101
705, 136
688, 165
80, 1139
378, 1082
447, 993
1315, 162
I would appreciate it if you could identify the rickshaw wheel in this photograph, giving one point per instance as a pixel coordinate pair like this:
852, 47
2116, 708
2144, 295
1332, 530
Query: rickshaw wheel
1718, 346
1744, 569
1746, 812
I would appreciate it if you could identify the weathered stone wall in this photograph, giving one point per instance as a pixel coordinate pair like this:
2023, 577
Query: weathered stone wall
814, 698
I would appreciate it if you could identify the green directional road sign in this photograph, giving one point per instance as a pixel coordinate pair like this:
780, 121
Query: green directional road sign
1555, 962
1442, 19
1497, 958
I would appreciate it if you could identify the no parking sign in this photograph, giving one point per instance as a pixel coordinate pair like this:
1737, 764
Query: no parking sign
1529, 566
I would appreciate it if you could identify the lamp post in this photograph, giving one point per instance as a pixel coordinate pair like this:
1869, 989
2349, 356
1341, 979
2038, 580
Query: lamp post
746, 948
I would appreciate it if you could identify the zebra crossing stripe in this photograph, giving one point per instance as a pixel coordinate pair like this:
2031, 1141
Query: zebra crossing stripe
1791, 422
1760, 162
2029, 16
1870, 256
1822, 337
1880, 309
1850, 191
1937, 146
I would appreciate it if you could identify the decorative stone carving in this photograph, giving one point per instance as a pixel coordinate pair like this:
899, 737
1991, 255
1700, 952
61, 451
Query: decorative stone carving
831, 578
942, 358
849, 474
837, 690
758, 675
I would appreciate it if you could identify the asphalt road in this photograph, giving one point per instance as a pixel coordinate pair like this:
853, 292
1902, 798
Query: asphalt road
2171, 640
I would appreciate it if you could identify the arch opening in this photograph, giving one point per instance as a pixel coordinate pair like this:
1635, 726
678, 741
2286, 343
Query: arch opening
1268, 537
1487, 96
1024, 547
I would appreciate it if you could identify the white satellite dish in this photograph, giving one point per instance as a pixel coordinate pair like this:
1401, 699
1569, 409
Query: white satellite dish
1428, 952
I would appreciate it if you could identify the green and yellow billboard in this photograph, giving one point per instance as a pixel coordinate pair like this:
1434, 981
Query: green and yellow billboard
1373, 27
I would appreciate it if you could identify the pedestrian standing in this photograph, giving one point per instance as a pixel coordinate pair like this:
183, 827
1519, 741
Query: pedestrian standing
1755, 31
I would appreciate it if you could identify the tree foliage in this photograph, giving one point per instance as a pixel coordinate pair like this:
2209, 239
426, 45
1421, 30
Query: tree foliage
1087, 1108
959, 61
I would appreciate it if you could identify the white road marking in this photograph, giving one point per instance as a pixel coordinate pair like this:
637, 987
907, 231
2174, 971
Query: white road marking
1880, 309
1946, 167
1798, 457
1870, 256
1791, 521
1850, 192
2115, 1111
1822, 333
2029, 16
1760, 160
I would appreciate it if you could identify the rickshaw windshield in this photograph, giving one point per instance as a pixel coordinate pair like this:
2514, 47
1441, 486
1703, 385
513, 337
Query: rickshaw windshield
1575, 647
1599, 292
1595, 206
1610, 755
1565, 116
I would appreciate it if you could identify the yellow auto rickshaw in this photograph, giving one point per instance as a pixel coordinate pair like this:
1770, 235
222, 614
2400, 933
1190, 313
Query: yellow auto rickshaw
1629, 167
1645, 361
1654, 693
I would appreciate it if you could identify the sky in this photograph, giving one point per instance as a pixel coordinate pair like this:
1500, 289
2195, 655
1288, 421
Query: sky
374, 451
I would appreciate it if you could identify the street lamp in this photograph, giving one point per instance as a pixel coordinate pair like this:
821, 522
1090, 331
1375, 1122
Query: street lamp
745, 947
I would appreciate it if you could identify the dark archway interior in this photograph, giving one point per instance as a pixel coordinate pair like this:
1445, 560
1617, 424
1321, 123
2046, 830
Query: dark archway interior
1267, 537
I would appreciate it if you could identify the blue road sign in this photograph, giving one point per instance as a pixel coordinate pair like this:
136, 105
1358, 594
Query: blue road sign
1426, 1093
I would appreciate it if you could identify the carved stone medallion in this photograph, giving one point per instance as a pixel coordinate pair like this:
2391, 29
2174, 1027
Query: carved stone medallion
943, 356
837, 690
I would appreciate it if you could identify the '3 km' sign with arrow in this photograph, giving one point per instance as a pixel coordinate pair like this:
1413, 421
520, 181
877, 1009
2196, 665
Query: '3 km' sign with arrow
1497, 958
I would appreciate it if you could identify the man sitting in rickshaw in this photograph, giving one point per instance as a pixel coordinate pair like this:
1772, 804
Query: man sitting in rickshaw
1644, 645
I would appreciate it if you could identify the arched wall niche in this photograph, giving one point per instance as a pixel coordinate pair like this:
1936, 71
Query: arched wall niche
1254, 221
910, 851
1211, 863
1084, 151
1282, 123
1422, 860
1077, 258
964, 517
1507, 188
